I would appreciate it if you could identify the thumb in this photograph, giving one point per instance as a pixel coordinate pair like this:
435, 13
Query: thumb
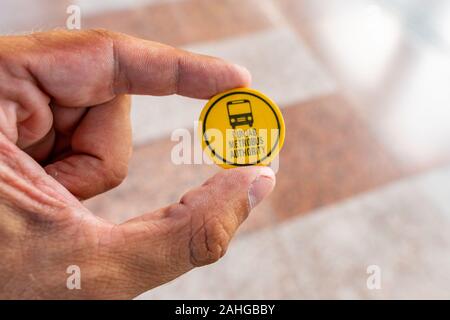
160, 246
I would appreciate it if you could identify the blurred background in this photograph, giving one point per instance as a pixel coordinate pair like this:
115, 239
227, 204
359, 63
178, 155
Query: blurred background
364, 176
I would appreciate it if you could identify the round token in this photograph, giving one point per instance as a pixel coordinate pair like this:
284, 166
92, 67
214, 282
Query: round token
241, 127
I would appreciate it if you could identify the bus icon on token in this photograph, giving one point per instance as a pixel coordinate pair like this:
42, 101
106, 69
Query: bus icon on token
240, 113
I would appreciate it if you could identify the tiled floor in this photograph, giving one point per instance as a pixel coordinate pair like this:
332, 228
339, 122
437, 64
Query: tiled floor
364, 175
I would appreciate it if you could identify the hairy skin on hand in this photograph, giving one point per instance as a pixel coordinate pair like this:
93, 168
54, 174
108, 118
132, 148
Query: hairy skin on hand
65, 136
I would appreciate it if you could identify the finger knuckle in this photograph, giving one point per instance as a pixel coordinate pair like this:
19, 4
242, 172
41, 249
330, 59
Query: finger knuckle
115, 174
209, 243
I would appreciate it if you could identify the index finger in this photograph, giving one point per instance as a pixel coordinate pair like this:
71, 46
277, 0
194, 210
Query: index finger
86, 68
145, 67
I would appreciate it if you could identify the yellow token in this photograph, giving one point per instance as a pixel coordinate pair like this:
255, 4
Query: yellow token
241, 127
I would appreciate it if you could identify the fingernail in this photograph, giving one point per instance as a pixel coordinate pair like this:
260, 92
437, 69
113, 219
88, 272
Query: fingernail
261, 186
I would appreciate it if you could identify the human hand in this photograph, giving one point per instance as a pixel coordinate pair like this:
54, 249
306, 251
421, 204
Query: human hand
65, 136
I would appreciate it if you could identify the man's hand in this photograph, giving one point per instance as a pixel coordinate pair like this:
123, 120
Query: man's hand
65, 135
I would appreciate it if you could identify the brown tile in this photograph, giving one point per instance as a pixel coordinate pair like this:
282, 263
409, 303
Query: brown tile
154, 182
184, 22
329, 154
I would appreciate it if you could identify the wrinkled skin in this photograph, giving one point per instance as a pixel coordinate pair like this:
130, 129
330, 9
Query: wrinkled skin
65, 136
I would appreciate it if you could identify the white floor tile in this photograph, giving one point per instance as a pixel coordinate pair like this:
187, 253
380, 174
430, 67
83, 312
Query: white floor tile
436, 185
396, 228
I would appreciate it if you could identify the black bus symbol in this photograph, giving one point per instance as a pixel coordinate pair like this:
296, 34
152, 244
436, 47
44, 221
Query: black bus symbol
240, 113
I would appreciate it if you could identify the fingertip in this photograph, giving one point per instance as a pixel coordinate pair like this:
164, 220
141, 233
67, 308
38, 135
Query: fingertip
259, 181
218, 75
249, 174
266, 172
244, 75
260, 188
